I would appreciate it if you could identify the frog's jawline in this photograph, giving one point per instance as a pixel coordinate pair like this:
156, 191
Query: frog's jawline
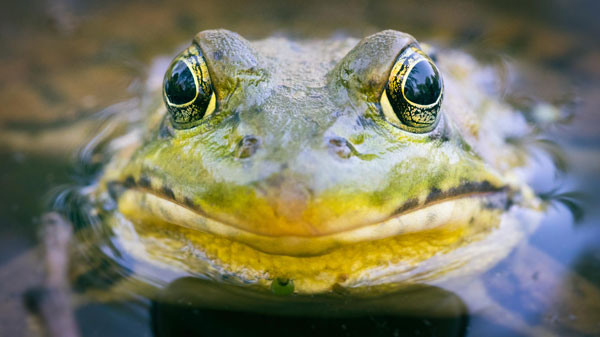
437, 195
471, 196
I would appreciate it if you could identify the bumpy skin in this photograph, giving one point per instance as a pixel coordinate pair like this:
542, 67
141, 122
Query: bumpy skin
298, 175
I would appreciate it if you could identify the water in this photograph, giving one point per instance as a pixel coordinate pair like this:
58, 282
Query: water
64, 60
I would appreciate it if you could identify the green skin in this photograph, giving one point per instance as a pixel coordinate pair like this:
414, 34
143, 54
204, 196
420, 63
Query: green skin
298, 150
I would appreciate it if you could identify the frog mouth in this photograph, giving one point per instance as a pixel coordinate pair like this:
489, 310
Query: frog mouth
453, 208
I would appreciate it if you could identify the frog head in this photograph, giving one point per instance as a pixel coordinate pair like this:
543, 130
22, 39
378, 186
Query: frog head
299, 150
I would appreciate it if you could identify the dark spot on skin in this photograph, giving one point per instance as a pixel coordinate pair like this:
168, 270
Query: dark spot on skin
434, 194
191, 205
188, 202
129, 182
411, 203
340, 147
114, 189
144, 182
168, 192
217, 55
246, 147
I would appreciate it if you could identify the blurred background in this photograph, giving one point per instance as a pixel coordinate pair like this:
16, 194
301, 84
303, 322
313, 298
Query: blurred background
64, 60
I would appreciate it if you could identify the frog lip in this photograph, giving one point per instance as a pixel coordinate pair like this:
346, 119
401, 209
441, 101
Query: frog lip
450, 207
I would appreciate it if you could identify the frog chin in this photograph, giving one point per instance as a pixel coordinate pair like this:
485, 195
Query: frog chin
145, 208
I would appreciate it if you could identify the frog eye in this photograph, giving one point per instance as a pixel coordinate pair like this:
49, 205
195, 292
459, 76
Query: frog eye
413, 95
187, 89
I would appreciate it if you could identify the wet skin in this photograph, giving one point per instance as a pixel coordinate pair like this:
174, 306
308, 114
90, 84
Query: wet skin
319, 165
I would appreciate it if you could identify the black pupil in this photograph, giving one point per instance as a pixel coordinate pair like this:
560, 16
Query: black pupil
423, 84
180, 87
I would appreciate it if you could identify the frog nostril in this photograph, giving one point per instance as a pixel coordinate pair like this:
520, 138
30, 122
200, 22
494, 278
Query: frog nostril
246, 147
340, 147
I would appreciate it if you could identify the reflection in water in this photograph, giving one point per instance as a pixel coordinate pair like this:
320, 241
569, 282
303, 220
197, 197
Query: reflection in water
184, 309
172, 320
544, 292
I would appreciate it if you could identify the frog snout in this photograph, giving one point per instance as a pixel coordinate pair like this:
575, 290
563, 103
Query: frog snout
287, 197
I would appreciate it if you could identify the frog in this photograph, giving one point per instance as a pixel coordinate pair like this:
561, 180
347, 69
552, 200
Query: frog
279, 160
317, 171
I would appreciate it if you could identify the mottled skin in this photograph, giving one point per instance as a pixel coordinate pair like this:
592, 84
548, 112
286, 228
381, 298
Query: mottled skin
298, 174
